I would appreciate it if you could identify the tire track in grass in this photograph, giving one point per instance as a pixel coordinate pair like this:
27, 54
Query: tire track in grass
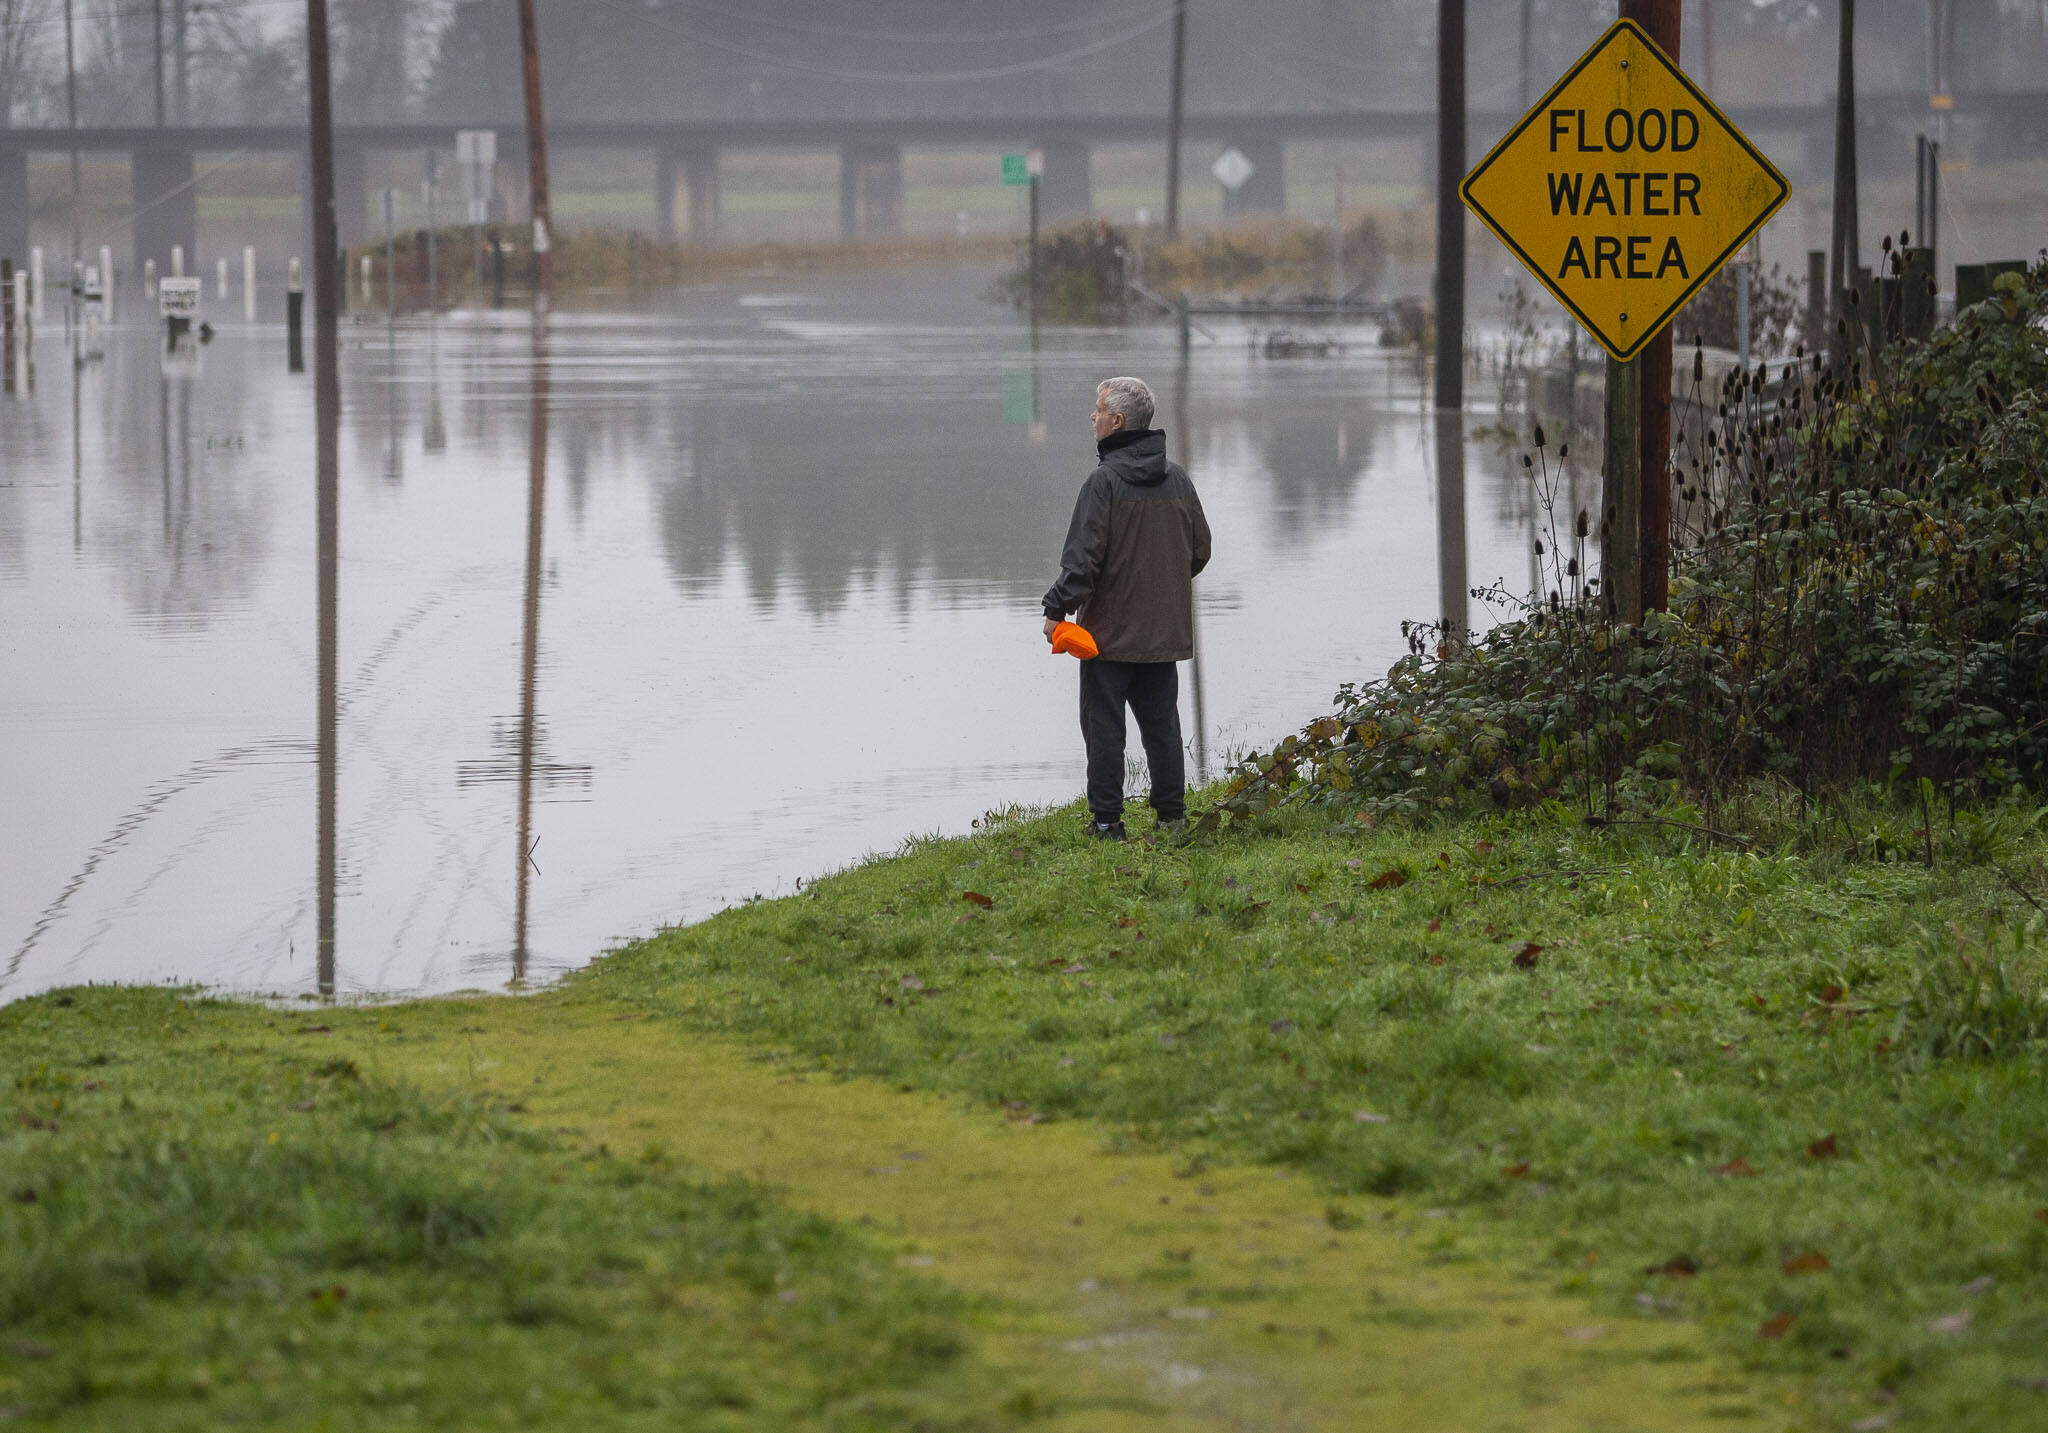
1118, 1290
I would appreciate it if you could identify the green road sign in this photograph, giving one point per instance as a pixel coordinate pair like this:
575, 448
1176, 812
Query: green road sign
1016, 169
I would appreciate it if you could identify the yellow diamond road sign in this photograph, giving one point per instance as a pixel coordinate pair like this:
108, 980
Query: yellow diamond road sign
1624, 189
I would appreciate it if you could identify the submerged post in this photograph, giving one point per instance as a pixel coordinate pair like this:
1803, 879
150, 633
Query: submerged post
1175, 89
294, 318
1450, 207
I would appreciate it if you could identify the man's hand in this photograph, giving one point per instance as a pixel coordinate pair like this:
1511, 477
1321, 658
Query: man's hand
1049, 625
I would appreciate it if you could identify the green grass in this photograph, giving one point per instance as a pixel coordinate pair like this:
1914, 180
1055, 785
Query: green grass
1697, 1011
208, 1224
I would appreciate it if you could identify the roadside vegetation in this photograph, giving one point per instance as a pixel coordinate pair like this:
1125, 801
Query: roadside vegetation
1082, 267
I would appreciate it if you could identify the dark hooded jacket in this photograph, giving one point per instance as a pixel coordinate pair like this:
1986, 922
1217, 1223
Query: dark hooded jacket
1136, 542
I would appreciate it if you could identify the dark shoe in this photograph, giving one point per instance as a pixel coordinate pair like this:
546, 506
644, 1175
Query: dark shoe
1106, 830
1177, 826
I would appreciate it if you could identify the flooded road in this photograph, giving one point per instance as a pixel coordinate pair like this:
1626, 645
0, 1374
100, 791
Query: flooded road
632, 617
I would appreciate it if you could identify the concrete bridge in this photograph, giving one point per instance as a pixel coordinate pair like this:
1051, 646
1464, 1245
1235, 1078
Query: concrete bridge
164, 160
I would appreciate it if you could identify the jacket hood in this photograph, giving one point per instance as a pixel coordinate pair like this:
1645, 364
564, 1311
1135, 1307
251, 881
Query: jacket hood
1136, 457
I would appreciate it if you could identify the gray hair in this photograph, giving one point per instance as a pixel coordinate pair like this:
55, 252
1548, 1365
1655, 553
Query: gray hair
1130, 397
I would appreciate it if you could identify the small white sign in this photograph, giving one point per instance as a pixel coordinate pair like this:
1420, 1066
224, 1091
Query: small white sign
178, 297
1232, 169
1034, 163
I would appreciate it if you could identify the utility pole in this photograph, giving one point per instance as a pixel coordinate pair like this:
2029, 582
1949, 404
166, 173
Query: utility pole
178, 41
1450, 208
157, 10
327, 505
1660, 20
1176, 89
71, 114
1707, 47
1844, 246
537, 159
1528, 38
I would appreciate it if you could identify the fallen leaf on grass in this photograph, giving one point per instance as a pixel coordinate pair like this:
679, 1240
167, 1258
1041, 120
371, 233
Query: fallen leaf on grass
1126, 922
1387, 880
1822, 1148
909, 982
976, 898
1736, 1168
2041, 1215
1811, 1262
1059, 962
1484, 848
1678, 1266
1525, 958
1016, 853
1957, 1322
1832, 994
1437, 959
1436, 924
1776, 1326
1127, 870
1367, 1117
1515, 1171
1299, 886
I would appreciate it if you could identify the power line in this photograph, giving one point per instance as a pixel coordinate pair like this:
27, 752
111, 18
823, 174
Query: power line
1152, 20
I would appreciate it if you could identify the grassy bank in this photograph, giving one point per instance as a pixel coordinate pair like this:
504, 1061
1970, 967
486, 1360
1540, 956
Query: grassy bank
1552, 1097
215, 1219
1793, 1089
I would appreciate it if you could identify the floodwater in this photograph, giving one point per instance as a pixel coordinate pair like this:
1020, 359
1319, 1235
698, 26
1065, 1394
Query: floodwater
631, 617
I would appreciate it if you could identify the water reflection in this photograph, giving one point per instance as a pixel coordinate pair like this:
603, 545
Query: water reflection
327, 543
790, 577
529, 650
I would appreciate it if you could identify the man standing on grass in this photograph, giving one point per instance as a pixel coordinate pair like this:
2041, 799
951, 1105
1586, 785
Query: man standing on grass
1136, 542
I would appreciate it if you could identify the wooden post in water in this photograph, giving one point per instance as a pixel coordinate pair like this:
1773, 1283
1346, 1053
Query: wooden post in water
1843, 244
327, 467
1175, 89
537, 159
1450, 207
1660, 21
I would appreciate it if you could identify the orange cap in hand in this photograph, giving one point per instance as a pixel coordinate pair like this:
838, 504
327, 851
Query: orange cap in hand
1070, 637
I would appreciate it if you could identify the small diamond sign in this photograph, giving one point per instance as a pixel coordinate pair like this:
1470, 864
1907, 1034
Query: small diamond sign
1232, 169
1624, 189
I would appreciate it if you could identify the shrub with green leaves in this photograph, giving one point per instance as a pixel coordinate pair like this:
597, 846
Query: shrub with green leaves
1859, 590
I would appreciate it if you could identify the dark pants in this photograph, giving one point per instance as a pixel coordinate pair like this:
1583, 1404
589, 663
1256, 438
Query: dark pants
1152, 691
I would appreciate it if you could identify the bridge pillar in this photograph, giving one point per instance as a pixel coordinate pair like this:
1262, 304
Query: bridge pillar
870, 190
1266, 191
14, 205
697, 171
1066, 190
166, 201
